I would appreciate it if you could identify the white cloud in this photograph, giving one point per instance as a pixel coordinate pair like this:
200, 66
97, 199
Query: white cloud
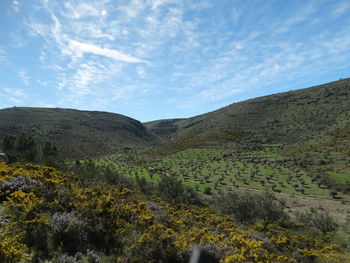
78, 10
172, 24
134, 8
80, 82
103, 81
159, 3
121, 93
77, 46
24, 76
16, 5
3, 55
303, 14
13, 95
18, 41
341, 8
14, 92
141, 72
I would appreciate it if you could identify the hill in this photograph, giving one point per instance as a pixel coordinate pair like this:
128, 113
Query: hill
306, 124
311, 126
284, 118
163, 129
77, 133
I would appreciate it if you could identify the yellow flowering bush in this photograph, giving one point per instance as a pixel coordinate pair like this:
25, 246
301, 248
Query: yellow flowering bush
11, 248
56, 215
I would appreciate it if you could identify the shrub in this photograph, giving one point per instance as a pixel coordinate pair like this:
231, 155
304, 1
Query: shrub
242, 207
17, 183
207, 190
269, 208
173, 191
319, 219
11, 248
68, 231
247, 208
90, 257
156, 244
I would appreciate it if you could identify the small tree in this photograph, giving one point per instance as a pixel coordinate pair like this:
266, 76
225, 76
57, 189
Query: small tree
240, 206
268, 208
334, 193
207, 190
173, 191
318, 219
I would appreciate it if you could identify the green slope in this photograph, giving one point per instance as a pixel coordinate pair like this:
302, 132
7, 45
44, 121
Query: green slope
286, 118
77, 133
301, 121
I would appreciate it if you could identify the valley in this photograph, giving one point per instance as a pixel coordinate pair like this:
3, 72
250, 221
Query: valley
269, 169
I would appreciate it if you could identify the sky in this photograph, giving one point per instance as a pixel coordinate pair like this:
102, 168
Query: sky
158, 59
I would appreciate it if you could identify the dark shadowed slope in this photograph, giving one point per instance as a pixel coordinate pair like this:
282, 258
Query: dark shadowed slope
77, 133
163, 129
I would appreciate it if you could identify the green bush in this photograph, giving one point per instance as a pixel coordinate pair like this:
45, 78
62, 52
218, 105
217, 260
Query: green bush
207, 190
319, 219
174, 192
249, 208
68, 232
242, 207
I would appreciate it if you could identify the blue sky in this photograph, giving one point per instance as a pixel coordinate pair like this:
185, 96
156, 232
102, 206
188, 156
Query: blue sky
156, 59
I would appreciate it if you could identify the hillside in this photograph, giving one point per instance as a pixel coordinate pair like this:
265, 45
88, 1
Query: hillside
310, 125
163, 129
284, 118
77, 133
300, 121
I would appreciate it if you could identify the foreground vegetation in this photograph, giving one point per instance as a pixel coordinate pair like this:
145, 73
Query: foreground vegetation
50, 216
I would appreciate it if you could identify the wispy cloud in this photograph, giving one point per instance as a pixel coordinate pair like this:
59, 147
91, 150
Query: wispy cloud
93, 63
78, 10
341, 8
14, 92
134, 8
77, 46
18, 41
159, 3
86, 80
13, 95
24, 76
303, 14
16, 5
3, 55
